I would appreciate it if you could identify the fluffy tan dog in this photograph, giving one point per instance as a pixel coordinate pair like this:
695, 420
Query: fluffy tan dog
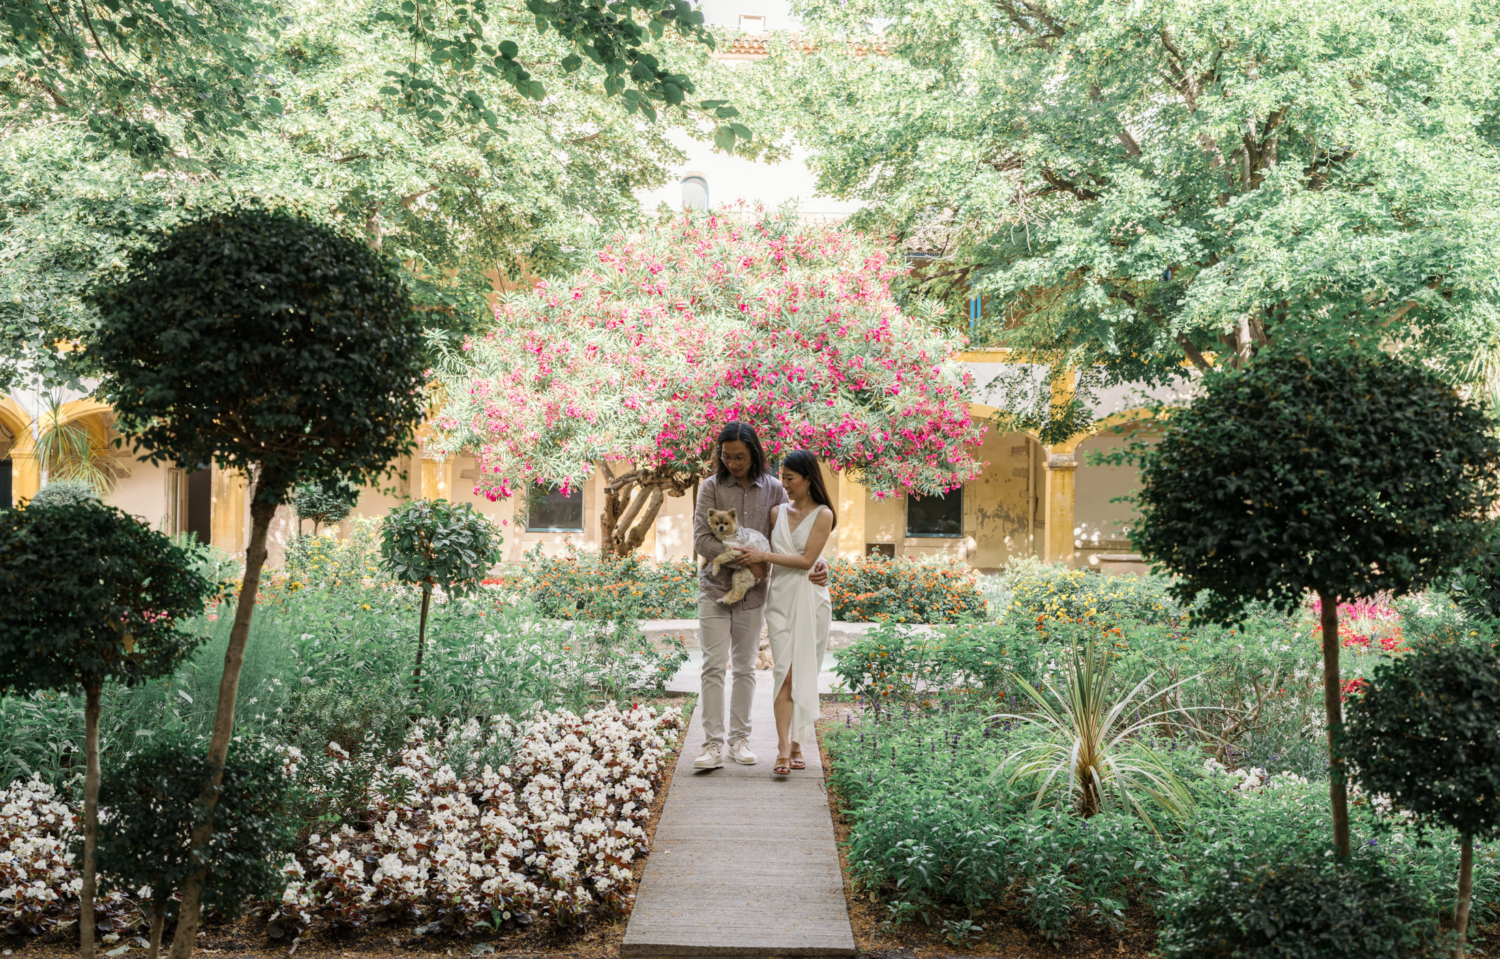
725, 526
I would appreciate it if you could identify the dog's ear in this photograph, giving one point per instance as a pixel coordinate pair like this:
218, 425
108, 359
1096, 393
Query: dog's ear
733, 515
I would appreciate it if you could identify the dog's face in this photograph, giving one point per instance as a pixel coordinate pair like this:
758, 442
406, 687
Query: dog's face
724, 523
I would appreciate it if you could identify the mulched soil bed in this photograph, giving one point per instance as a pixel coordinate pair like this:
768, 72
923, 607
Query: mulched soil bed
599, 939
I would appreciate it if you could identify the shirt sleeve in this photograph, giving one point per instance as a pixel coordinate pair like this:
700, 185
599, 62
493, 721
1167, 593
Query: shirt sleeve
706, 544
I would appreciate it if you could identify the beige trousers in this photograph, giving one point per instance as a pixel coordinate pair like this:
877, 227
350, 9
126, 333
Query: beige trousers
729, 635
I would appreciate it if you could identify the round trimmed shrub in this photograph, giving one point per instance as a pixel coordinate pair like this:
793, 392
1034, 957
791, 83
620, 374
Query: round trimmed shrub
1348, 474
1287, 908
1425, 731
154, 800
435, 543
65, 492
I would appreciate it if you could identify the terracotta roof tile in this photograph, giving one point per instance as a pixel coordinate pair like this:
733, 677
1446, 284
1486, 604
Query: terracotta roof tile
756, 47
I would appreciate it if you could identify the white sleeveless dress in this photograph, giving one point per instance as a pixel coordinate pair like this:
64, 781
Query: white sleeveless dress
797, 618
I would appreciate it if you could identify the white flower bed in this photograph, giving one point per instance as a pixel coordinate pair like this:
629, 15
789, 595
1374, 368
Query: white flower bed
551, 836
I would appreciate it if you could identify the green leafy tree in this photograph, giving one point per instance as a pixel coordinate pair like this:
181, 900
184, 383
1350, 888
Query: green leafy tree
325, 501
1425, 731
124, 67
91, 595
1130, 187
1346, 475
457, 204
437, 544
270, 345
154, 798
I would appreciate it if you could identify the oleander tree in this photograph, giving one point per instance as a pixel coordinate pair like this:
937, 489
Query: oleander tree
91, 595
275, 347
696, 321
1346, 475
1425, 731
435, 544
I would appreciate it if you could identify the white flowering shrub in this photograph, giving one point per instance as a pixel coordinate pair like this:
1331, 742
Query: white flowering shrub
39, 880
550, 835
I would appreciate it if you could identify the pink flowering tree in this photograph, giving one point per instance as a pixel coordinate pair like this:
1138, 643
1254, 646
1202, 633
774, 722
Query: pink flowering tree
699, 320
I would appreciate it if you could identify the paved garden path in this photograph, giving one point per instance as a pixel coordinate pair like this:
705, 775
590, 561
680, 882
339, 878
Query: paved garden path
744, 864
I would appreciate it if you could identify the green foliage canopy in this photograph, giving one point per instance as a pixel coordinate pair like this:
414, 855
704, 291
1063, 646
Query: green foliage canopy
1129, 186
265, 343
91, 594
153, 795
1278, 905
126, 67
437, 543
325, 501
453, 201
1348, 473
1426, 732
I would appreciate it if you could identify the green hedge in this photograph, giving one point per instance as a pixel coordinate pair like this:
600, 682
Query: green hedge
876, 589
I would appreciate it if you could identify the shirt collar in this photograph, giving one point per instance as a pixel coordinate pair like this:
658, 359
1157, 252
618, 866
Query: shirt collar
756, 483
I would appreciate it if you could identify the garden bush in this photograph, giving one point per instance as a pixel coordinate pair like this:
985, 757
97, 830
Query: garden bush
333, 562
1290, 901
580, 584
906, 590
934, 834
1057, 592
153, 795
64, 492
899, 665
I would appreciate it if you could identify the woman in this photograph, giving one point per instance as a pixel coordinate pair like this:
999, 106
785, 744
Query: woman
797, 612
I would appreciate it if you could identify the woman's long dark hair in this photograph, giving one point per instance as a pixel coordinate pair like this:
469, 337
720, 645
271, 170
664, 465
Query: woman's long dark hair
805, 464
738, 432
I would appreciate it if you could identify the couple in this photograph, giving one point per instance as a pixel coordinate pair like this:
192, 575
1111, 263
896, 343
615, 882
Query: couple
797, 517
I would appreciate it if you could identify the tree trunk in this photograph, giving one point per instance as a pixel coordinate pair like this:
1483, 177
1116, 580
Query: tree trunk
190, 914
1465, 893
632, 502
416, 676
158, 921
90, 889
1333, 702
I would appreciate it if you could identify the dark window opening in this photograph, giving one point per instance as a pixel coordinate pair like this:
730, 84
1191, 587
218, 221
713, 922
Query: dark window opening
935, 515
552, 511
5, 494
200, 505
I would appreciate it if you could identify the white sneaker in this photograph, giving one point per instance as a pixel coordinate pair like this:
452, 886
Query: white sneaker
740, 753
712, 757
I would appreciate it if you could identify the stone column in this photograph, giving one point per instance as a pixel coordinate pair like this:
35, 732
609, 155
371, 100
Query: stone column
851, 531
227, 510
1062, 468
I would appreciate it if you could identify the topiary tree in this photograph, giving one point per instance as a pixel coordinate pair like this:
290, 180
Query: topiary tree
1347, 475
271, 345
1425, 731
1294, 903
325, 501
91, 595
435, 543
65, 491
153, 796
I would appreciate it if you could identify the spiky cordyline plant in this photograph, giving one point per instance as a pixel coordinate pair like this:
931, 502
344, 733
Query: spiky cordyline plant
1092, 752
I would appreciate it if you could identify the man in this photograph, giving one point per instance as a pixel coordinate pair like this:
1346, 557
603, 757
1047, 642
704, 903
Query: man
731, 634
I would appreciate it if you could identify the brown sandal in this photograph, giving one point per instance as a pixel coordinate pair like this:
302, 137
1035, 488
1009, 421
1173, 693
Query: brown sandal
783, 767
796, 761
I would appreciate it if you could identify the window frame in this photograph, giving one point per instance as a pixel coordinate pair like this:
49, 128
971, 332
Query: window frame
530, 511
958, 535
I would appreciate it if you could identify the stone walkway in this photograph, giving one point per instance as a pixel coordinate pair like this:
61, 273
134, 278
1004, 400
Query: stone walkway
744, 864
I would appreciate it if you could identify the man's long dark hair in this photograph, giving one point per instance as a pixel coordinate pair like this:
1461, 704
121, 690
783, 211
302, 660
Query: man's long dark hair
805, 464
738, 432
